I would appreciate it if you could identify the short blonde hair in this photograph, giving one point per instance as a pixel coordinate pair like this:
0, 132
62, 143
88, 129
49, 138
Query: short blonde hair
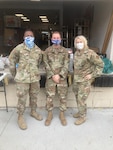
83, 39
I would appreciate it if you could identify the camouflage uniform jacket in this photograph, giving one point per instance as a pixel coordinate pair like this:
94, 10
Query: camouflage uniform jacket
28, 63
56, 61
87, 62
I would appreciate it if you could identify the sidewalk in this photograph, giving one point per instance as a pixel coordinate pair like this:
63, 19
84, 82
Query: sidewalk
95, 134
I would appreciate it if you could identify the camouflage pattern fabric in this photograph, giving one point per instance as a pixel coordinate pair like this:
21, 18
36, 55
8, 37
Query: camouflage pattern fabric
23, 91
81, 91
56, 62
51, 89
28, 63
26, 74
85, 62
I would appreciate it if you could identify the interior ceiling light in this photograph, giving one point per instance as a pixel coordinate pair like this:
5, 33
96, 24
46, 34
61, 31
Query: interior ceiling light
43, 17
23, 17
45, 21
26, 20
19, 15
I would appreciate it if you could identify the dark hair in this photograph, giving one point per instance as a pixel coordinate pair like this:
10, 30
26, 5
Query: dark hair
56, 32
29, 29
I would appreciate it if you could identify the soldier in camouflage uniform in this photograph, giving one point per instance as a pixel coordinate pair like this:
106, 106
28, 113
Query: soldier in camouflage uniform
56, 64
27, 56
87, 66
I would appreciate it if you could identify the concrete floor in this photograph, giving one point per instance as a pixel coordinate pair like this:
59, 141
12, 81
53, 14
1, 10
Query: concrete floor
95, 134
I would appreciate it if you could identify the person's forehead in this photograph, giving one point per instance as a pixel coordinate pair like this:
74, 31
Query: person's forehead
28, 33
78, 40
56, 35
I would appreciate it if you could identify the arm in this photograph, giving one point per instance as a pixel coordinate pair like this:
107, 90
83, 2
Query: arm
49, 71
64, 69
98, 64
13, 58
40, 57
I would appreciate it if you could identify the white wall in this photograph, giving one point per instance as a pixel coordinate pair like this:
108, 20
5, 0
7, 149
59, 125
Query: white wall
110, 48
102, 13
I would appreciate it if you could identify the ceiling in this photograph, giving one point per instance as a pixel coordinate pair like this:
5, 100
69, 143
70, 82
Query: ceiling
60, 13
33, 15
54, 10
32, 10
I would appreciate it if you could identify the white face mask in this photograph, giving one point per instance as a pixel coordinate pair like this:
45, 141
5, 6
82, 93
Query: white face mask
80, 46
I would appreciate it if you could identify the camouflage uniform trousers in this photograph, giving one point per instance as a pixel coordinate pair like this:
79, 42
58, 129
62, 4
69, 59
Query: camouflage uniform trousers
23, 91
51, 89
81, 91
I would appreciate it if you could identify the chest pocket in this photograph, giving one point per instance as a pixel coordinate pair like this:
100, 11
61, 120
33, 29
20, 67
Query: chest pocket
61, 57
56, 57
51, 57
80, 62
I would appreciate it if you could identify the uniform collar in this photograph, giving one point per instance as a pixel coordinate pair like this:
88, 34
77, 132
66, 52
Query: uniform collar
80, 52
25, 47
56, 49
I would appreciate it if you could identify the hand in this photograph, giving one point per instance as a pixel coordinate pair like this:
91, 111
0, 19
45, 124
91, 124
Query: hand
56, 78
88, 77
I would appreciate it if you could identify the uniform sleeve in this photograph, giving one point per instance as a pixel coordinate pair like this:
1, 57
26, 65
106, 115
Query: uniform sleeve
64, 69
13, 58
40, 57
49, 71
98, 64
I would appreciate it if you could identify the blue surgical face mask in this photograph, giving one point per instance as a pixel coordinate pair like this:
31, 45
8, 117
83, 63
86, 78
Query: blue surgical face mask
29, 41
56, 42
